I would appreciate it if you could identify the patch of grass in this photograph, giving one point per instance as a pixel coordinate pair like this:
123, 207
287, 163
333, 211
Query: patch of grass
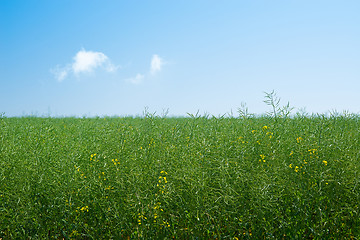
268, 177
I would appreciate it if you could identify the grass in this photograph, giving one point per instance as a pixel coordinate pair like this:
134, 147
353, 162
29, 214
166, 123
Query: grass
267, 177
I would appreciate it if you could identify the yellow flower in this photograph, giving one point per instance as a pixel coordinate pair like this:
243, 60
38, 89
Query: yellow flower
325, 162
86, 208
298, 139
265, 127
312, 151
296, 168
115, 161
74, 233
270, 134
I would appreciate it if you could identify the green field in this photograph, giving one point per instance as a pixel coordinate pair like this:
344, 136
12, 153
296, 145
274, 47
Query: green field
200, 177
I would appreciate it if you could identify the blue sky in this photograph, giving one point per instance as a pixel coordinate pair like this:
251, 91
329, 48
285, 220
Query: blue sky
88, 58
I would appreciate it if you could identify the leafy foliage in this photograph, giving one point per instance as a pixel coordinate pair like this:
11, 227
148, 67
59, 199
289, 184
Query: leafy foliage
183, 178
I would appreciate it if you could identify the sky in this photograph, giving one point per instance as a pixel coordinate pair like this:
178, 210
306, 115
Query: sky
90, 58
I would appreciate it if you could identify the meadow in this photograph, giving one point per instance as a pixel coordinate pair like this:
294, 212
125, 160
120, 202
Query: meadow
197, 177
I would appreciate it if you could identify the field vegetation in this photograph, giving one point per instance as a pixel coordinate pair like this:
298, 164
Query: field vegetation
277, 176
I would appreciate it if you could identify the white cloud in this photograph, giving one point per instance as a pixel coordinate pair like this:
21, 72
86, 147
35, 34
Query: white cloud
88, 61
60, 73
155, 67
137, 79
156, 64
85, 62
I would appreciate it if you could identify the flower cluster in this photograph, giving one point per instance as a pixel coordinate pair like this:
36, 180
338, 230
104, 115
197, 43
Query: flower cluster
141, 218
82, 209
115, 161
162, 182
93, 157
